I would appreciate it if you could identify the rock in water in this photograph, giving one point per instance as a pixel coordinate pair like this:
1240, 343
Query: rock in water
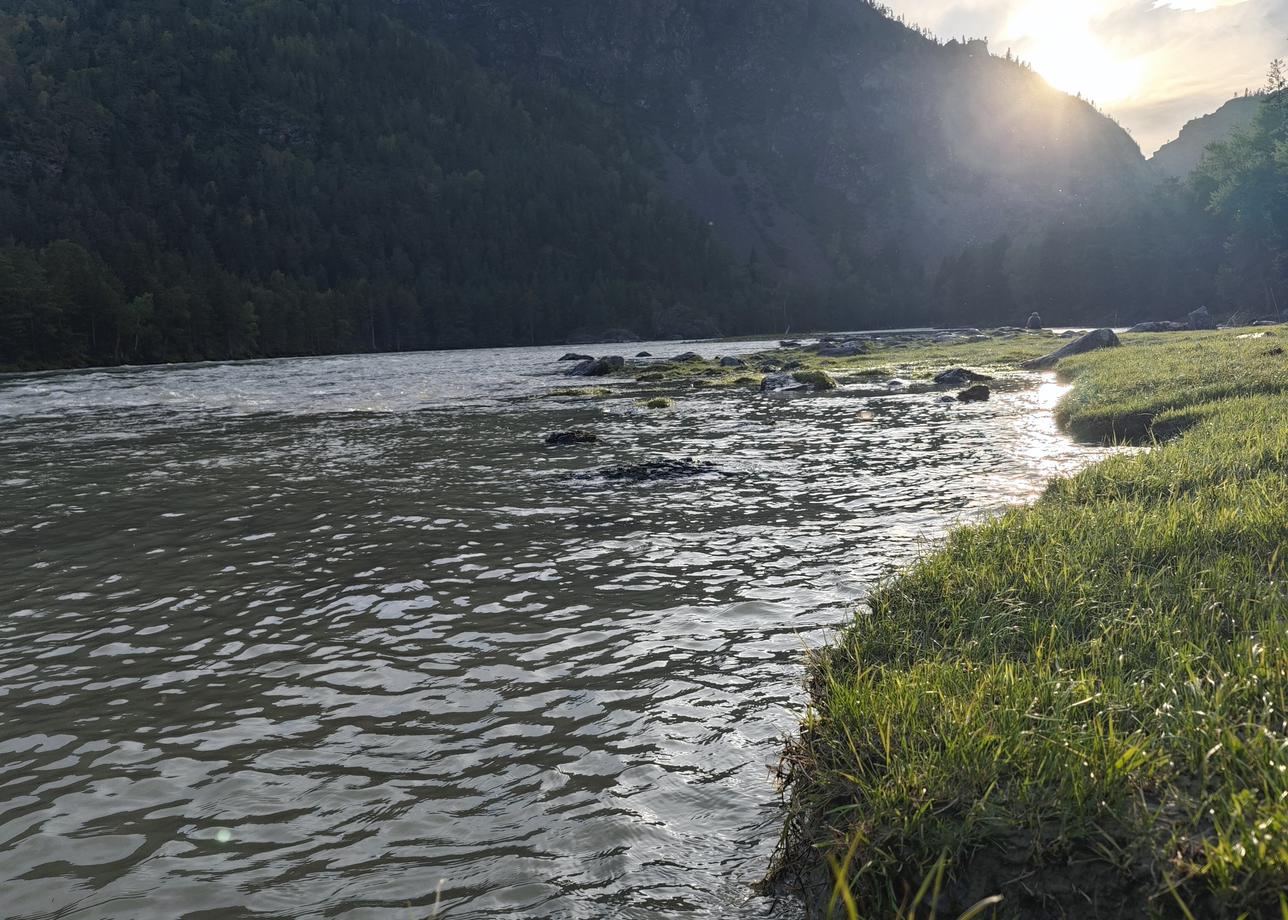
600, 367
655, 471
644, 354
1096, 339
686, 357
573, 356
977, 393
1202, 319
959, 377
1034, 324
576, 436
815, 381
1159, 326
781, 383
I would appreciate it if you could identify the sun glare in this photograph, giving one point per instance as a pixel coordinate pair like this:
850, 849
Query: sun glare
1057, 39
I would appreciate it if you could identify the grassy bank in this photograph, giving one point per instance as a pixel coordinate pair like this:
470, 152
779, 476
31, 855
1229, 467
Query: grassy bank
1081, 706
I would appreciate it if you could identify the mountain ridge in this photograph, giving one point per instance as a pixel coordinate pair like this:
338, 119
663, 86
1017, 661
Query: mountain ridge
1179, 157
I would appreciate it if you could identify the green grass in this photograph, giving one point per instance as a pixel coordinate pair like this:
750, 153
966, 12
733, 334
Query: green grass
658, 402
1082, 706
581, 392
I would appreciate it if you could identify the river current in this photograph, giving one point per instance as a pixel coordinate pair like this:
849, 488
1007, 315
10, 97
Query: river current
340, 638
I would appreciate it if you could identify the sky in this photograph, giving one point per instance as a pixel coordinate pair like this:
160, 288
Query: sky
1151, 64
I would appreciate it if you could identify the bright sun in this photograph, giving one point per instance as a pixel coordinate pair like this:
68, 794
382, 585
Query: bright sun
1057, 39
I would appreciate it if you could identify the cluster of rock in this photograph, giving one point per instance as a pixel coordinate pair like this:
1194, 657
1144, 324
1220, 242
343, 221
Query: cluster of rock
1200, 319
594, 367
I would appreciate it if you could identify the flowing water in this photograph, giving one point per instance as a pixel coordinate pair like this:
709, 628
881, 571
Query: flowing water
338, 637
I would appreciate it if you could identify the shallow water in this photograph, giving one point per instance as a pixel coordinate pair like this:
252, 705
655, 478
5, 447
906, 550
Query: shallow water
338, 638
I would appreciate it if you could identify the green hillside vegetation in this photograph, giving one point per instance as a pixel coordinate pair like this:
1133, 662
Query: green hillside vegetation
1244, 183
224, 179
1079, 706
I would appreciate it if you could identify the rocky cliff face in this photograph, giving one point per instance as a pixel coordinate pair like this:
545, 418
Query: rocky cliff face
818, 136
1180, 157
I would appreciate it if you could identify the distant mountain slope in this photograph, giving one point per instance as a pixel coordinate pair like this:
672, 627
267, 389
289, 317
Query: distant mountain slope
231, 178
1180, 157
821, 135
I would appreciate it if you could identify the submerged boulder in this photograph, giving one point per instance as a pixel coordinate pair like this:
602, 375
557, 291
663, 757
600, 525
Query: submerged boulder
644, 354
576, 436
959, 377
1092, 341
573, 356
598, 367
977, 393
1202, 319
655, 471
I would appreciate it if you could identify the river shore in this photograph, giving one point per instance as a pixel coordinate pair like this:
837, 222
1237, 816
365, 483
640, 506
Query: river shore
1076, 709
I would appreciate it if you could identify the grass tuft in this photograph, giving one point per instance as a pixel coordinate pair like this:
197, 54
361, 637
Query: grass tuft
581, 392
658, 402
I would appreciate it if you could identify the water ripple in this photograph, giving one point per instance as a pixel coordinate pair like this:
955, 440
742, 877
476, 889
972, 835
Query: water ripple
339, 637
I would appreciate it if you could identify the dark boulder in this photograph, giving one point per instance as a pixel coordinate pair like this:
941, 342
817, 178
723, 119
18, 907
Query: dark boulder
732, 362
960, 377
788, 343
1096, 339
687, 357
644, 354
1159, 326
1201, 319
566, 438
655, 471
1034, 323
977, 393
598, 367
573, 356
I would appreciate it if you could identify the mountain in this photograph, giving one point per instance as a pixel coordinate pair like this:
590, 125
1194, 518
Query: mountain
822, 136
225, 178
1180, 157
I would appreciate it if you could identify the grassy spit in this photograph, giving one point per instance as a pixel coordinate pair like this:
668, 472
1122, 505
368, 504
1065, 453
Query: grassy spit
1081, 706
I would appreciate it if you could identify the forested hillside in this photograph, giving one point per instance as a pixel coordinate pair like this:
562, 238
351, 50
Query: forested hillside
1179, 157
1244, 183
186, 180
227, 179
844, 150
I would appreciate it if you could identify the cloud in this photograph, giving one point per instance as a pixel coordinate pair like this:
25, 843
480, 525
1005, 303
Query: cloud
1153, 64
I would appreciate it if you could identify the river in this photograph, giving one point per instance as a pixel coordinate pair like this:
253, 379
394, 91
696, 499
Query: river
338, 637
